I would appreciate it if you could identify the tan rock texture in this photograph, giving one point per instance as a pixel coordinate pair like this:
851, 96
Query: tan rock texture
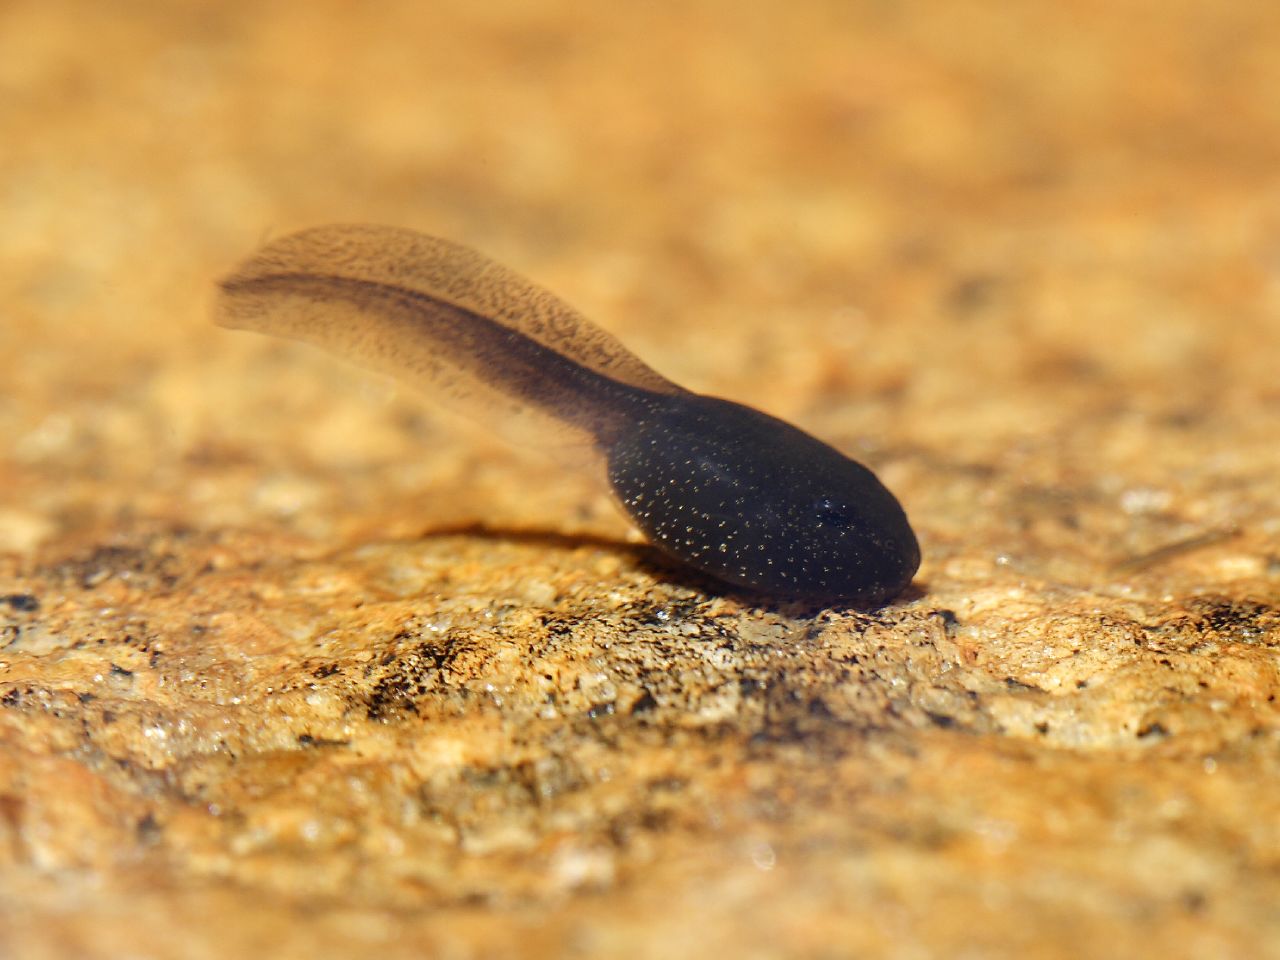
291, 664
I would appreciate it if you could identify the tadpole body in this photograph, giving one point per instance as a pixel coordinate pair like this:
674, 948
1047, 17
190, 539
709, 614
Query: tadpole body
731, 491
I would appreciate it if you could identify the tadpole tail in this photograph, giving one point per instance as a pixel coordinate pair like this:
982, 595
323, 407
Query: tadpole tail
446, 320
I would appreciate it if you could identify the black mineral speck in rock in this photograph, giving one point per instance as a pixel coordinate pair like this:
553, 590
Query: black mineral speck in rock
22, 602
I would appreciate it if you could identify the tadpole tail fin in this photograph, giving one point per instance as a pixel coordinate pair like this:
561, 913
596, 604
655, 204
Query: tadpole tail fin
445, 320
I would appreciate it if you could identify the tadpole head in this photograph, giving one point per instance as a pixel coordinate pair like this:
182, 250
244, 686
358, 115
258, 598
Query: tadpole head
760, 504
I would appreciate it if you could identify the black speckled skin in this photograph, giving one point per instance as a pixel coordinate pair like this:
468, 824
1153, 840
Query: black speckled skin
756, 502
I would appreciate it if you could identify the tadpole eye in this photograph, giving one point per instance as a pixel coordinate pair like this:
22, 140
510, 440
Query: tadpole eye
831, 513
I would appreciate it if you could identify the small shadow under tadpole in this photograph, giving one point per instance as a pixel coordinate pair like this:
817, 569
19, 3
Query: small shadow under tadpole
646, 557
654, 562
539, 538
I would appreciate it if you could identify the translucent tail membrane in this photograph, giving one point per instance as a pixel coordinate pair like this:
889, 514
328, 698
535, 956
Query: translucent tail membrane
446, 320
